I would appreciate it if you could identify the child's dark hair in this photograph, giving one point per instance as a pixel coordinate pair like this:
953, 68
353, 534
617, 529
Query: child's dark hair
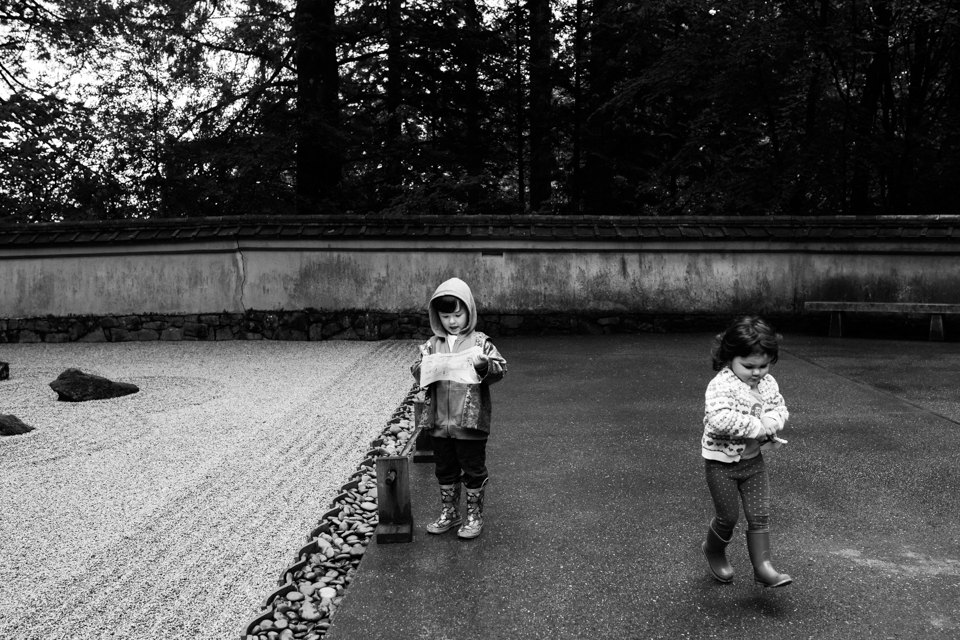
746, 336
448, 304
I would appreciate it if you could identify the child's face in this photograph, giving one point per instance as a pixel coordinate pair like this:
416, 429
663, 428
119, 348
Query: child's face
752, 368
454, 322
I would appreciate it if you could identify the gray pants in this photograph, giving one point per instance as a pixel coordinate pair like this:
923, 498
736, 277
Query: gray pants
731, 482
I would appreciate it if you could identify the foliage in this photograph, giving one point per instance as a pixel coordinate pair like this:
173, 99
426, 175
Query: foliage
143, 108
151, 108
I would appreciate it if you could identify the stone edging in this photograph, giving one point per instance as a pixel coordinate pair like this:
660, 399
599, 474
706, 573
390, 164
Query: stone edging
311, 325
300, 609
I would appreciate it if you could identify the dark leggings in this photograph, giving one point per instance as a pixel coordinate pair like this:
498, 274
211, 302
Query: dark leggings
748, 478
461, 459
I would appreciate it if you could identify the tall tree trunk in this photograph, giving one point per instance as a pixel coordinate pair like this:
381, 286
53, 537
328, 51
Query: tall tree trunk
578, 108
811, 127
874, 80
394, 97
319, 153
473, 99
541, 94
923, 66
597, 169
520, 117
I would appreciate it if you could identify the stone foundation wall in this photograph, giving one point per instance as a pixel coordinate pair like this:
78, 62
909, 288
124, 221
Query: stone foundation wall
346, 325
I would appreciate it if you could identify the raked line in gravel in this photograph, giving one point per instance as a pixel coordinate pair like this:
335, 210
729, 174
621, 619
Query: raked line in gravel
169, 513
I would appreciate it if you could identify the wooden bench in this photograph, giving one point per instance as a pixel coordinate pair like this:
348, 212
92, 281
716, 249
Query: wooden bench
837, 309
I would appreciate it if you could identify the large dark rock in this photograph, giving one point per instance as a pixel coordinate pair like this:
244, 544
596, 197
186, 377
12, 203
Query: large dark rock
74, 385
4, 370
13, 426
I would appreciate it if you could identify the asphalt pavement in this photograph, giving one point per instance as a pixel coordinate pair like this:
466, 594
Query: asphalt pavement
597, 506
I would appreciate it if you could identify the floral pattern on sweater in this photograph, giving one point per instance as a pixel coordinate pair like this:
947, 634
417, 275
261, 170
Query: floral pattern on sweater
732, 415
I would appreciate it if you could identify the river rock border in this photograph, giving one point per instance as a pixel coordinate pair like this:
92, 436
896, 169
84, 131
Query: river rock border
313, 586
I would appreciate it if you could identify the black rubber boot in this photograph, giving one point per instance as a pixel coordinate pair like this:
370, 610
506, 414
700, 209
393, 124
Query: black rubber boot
758, 544
714, 550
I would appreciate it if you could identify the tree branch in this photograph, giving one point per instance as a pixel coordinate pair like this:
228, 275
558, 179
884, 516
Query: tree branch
256, 91
9, 76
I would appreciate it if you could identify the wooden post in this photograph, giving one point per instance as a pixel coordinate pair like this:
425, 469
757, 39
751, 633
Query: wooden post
936, 327
423, 450
393, 500
836, 324
423, 447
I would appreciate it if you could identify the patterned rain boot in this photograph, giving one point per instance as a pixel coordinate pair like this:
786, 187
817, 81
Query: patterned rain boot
473, 525
758, 544
714, 550
450, 509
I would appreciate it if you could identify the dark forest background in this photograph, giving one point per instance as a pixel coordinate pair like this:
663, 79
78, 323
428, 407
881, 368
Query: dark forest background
122, 108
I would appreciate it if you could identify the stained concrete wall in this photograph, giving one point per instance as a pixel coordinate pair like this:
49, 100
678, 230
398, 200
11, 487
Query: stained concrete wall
695, 278
507, 277
164, 278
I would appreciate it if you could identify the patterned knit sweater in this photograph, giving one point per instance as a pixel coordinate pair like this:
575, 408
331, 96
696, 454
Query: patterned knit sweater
732, 415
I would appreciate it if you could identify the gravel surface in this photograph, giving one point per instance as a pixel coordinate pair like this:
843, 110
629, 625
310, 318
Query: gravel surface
171, 513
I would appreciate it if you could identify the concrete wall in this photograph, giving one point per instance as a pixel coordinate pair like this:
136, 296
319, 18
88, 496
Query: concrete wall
119, 281
508, 276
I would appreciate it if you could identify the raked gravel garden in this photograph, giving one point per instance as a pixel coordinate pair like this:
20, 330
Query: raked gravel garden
173, 512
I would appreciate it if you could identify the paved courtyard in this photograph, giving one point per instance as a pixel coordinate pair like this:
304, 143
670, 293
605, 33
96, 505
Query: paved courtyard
597, 505
171, 512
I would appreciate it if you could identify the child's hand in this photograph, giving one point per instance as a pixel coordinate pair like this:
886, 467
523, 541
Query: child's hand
770, 426
480, 361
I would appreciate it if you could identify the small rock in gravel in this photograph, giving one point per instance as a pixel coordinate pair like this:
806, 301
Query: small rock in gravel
328, 592
294, 596
74, 385
13, 426
309, 612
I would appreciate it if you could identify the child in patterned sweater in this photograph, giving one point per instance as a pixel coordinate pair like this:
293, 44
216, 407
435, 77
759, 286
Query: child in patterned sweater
744, 411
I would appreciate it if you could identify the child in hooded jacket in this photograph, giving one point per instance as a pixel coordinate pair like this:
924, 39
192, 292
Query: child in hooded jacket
457, 414
743, 413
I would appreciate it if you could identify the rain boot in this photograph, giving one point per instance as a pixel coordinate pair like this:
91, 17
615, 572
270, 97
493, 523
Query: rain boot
758, 544
714, 550
473, 525
449, 511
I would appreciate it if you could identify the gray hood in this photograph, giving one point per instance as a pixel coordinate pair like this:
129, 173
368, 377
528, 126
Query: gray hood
453, 287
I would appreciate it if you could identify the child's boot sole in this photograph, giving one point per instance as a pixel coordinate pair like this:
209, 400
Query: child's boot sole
469, 535
438, 530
